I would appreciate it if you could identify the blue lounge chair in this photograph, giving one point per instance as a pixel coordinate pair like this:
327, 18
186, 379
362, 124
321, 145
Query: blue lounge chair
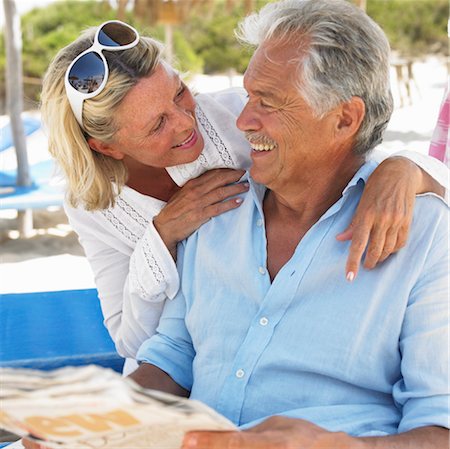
30, 125
42, 193
49, 330
39, 195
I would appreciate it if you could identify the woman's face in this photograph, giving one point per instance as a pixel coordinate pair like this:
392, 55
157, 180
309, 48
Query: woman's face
156, 122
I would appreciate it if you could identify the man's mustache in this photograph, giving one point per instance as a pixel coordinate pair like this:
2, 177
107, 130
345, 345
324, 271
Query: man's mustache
259, 139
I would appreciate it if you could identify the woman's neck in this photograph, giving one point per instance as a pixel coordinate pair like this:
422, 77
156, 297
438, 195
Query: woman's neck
151, 181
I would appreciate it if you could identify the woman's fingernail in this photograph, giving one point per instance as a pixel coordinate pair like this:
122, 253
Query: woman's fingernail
238, 200
350, 276
246, 184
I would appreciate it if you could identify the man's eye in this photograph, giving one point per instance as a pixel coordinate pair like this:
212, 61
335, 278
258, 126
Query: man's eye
265, 105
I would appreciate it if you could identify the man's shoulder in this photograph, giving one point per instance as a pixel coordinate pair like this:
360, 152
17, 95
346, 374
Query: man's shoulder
430, 202
229, 225
430, 225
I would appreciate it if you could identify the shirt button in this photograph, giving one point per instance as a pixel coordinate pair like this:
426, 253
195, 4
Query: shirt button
264, 321
240, 373
259, 222
262, 270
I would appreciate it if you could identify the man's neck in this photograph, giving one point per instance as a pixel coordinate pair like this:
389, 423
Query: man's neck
291, 210
313, 192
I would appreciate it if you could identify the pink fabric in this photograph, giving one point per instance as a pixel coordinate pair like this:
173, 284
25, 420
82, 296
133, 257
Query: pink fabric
440, 142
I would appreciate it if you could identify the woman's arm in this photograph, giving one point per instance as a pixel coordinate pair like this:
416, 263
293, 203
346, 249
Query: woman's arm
382, 220
127, 248
115, 246
200, 199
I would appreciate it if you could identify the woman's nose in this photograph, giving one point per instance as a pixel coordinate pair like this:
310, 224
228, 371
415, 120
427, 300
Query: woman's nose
185, 116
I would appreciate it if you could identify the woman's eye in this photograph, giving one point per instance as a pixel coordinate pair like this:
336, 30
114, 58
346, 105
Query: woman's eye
159, 125
181, 91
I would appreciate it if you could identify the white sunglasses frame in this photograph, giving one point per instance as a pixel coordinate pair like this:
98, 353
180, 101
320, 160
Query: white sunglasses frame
76, 98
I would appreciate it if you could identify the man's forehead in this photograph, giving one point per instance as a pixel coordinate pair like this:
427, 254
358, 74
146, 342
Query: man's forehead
272, 64
284, 51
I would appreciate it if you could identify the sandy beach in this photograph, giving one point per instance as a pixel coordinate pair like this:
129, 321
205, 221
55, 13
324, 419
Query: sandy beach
53, 260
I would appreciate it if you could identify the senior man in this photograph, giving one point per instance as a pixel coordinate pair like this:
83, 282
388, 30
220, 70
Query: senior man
265, 325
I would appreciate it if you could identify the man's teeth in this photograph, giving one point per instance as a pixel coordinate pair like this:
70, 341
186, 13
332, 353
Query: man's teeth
261, 147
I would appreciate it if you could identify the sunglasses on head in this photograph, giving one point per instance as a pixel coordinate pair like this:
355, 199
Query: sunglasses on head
88, 73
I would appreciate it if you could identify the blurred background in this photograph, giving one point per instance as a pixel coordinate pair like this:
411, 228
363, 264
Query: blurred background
39, 251
199, 33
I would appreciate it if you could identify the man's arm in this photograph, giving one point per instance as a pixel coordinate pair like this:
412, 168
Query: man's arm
150, 376
290, 433
282, 432
430, 437
422, 393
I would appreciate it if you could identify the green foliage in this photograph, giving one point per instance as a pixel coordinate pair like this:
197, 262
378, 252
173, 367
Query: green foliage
213, 40
46, 30
414, 27
206, 42
187, 60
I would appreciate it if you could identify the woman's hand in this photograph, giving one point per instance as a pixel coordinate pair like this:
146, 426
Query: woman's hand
274, 433
384, 214
198, 200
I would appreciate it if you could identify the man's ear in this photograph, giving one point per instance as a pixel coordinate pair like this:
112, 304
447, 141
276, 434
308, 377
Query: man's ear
104, 148
351, 115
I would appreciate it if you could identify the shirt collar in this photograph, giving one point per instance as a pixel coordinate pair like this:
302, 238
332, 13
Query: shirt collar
360, 178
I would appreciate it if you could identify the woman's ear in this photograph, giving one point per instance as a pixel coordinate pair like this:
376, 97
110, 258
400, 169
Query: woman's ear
104, 148
351, 115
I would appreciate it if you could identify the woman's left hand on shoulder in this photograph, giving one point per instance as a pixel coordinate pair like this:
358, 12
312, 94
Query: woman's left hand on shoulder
381, 224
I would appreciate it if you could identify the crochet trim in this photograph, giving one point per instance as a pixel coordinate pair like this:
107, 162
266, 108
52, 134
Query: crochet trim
123, 216
131, 211
224, 154
152, 263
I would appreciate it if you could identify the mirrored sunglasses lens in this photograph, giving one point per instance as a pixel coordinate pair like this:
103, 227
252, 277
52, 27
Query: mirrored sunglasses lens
115, 34
87, 74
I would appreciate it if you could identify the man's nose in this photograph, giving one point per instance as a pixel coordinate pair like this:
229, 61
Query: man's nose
248, 119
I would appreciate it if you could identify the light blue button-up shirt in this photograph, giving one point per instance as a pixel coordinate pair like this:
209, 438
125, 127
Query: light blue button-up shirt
367, 358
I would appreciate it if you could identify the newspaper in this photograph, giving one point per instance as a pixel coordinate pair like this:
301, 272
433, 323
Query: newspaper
93, 407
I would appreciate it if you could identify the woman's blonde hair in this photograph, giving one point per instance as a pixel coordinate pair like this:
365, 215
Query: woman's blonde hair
93, 179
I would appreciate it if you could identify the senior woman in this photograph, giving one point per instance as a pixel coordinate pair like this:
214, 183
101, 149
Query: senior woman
130, 139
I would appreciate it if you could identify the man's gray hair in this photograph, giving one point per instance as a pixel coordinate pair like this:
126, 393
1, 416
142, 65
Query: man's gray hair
343, 53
